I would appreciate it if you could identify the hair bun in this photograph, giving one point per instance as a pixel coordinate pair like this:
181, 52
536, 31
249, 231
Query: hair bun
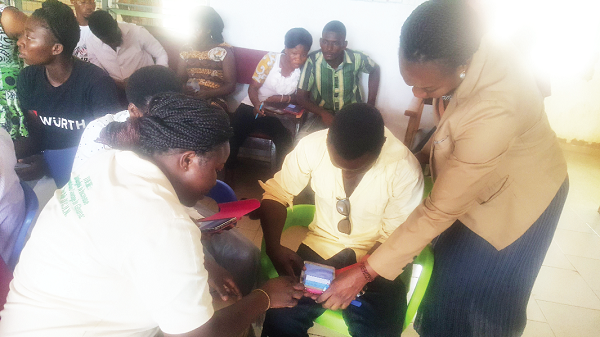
122, 135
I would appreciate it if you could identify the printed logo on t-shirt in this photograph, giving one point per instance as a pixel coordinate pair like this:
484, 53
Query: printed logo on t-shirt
81, 53
63, 123
73, 196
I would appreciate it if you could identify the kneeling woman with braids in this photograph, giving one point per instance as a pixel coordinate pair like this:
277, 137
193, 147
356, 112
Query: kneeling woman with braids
115, 252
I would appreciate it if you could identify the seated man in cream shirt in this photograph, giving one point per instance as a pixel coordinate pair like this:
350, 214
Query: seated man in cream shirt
366, 183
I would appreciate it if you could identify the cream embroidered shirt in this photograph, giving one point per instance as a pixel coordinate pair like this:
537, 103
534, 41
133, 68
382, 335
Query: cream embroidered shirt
382, 201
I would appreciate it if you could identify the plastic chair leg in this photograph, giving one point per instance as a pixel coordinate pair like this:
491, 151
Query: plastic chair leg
425, 260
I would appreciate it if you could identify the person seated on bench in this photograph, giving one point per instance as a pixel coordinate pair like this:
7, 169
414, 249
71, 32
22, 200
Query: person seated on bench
274, 81
330, 78
83, 10
121, 48
115, 253
59, 93
366, 183
207, 64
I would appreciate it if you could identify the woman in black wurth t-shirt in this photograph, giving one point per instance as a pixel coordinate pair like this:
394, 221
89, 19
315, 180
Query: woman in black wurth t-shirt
60, 93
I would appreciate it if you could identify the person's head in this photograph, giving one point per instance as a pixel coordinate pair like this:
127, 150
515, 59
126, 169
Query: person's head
209, 26
297, 45
356, 137
333, 41
437, 43
50, 32
147, 82
83, 9
106, 28
184, 136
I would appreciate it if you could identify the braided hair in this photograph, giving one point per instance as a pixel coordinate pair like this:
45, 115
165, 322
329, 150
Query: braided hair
174, 121
61, 22
446, 32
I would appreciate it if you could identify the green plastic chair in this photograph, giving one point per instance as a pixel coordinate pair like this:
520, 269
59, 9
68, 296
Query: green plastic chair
302, 215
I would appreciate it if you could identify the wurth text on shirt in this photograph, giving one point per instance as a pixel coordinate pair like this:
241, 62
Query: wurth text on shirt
63, 123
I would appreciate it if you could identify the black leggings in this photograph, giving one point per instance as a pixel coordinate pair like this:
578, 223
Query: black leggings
244, 124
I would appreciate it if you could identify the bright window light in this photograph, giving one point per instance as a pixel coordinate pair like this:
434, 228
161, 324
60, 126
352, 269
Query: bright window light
561, 38
178, 16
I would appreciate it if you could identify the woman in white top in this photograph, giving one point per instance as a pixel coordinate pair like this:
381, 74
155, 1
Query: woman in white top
115, 252
274, 81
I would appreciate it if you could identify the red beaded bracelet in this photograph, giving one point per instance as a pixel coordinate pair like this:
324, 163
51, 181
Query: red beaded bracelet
365, 272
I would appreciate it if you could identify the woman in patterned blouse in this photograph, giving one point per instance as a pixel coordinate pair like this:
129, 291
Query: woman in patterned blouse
208, 63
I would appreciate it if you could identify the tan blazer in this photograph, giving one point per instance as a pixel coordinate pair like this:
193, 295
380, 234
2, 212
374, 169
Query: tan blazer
495, 161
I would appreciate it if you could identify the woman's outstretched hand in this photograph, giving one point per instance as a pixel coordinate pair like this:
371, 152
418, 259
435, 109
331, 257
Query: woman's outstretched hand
284, 292
221, 281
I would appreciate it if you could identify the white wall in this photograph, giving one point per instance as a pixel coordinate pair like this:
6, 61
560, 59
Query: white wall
372, 27
574, 108
564, 38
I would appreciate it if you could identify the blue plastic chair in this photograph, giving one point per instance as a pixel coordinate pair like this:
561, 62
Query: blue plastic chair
31, 208
60, 164
222, 193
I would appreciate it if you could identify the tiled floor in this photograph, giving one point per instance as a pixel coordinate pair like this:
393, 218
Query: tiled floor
565, 301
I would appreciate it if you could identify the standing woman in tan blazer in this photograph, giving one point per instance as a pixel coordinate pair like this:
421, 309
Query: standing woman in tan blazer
500, 181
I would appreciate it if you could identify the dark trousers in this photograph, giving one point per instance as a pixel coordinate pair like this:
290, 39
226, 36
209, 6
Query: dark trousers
381, 313
244, 124
236, 254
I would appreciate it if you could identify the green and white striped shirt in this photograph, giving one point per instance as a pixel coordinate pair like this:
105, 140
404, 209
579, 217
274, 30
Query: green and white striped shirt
333, 88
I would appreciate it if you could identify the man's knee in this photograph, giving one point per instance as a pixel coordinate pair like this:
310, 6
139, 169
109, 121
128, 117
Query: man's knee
292, 322
285, 322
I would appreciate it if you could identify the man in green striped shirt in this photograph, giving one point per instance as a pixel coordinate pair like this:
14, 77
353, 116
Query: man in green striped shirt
329, 79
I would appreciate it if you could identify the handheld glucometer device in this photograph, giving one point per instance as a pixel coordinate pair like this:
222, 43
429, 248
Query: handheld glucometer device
317, 277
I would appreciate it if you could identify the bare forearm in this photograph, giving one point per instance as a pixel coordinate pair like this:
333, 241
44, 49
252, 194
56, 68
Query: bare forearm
373, 85
272, 220
280, 99
221, 91
234, 319
253, 95
308, 104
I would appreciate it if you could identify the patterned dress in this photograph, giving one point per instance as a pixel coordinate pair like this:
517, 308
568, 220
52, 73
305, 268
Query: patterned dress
205, 70
12, 118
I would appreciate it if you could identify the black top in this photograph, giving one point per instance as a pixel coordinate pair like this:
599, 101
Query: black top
64, 111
